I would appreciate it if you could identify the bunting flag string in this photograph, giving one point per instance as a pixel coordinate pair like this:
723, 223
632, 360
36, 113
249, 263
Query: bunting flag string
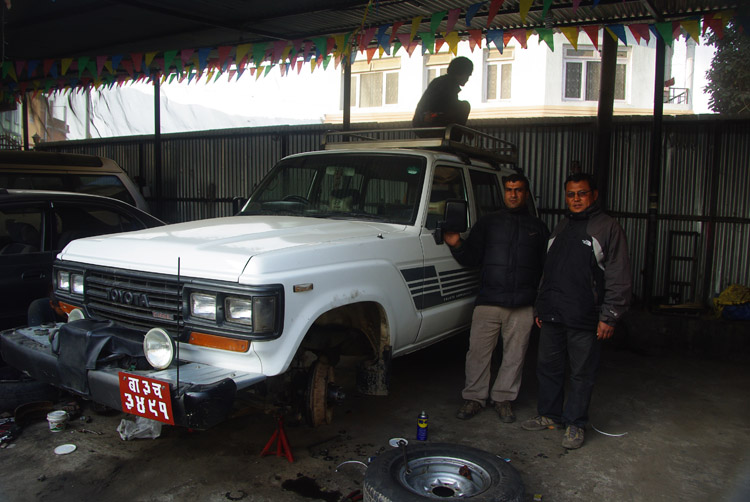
96, 72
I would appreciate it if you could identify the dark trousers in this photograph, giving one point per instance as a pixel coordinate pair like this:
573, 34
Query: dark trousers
559, 344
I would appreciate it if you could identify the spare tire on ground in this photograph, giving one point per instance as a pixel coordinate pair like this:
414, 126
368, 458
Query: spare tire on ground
441, 471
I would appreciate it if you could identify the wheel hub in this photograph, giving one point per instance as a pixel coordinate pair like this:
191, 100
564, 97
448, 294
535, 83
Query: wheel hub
441, 477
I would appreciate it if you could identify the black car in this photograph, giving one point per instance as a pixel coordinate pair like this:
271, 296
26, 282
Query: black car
35, 225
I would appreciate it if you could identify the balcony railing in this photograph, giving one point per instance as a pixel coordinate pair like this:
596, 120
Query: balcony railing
676, 95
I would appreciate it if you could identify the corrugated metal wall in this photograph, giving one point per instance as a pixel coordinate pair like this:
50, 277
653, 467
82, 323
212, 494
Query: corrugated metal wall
704, 209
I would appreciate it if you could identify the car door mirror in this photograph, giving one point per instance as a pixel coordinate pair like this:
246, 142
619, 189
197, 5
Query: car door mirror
454, 219
237, 204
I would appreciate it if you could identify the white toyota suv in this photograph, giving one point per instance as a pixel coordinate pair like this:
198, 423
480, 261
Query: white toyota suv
337, 253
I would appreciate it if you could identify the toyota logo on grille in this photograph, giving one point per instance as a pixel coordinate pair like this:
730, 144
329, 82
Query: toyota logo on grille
128, 297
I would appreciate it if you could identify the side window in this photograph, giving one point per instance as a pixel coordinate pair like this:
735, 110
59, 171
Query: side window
20, 230
108, 186
448, 183
487, 194
76, 222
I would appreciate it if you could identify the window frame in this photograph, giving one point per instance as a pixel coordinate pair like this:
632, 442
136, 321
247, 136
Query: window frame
384, 66
569, 57
493, 57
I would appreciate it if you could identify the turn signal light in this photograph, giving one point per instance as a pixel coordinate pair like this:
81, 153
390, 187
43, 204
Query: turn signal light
219, 342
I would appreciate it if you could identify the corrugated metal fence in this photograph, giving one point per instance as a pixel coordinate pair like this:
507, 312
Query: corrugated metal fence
704, 211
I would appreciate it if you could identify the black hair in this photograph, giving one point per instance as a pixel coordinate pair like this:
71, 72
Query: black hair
514, 178
576, 177
460, 66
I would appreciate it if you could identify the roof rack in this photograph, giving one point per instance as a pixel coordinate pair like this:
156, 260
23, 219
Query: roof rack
453, 138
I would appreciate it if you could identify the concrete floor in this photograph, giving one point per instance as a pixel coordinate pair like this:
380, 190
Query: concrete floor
684, 420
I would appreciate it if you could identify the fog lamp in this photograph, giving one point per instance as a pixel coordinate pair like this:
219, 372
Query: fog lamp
158, 348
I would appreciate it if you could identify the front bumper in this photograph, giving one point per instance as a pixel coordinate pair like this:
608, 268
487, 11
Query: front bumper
86, 357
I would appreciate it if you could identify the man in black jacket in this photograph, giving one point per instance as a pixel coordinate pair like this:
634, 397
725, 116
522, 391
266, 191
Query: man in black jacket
510, 247
584, 290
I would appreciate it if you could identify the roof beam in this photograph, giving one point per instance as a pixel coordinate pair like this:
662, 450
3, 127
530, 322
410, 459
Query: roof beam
649, 6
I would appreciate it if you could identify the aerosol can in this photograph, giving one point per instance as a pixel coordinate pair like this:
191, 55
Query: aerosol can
422, 426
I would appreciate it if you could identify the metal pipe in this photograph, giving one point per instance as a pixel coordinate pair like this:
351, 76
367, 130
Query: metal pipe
604, 117
654, 176
157, 146
25, 120
347, 65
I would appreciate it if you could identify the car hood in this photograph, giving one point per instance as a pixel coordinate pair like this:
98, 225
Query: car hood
218, 248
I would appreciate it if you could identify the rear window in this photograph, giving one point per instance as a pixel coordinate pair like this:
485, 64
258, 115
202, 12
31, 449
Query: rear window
107, 186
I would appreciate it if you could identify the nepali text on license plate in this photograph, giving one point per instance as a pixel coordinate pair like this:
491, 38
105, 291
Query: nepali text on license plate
146, 397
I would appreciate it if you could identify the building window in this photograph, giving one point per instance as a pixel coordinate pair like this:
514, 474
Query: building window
498, 72
583, 74
375, 83
436, 65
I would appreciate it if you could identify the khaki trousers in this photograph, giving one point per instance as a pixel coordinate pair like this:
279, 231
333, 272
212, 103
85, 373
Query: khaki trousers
488, 323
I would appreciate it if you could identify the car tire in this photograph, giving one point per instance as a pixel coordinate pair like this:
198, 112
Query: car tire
17, 389
489, 478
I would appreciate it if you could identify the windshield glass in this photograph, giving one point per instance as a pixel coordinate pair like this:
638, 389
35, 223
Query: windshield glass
369, 186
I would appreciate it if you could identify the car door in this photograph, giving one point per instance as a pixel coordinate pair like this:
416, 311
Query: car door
25, 260
448, 292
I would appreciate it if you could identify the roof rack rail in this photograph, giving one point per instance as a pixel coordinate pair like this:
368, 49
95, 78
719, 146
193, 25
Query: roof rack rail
454, 139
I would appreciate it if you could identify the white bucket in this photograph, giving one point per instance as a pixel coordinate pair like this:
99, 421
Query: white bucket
57, 420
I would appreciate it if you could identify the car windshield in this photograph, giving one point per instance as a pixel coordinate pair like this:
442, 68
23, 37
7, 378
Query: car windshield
380, 187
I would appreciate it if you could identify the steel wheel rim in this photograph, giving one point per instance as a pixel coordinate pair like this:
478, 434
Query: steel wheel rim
443, 477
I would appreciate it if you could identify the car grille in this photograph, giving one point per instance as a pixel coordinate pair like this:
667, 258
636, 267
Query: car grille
134, 301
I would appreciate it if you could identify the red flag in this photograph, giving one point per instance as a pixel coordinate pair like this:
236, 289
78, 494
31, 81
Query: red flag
593, 33
475, 39
494, 7
394, 29
137, 58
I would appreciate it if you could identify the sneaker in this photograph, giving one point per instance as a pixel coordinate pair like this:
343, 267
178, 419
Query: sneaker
468, 409
573, 437
538, 423
505, 412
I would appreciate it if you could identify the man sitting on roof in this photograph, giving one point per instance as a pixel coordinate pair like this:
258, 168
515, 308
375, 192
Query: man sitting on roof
439, 105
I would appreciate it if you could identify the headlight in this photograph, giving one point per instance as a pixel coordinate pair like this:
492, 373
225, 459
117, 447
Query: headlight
75, 315
239, 310
158, 348
63, 280
203, 305
76, 284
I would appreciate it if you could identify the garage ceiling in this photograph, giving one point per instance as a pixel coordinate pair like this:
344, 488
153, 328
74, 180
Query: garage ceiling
38, 34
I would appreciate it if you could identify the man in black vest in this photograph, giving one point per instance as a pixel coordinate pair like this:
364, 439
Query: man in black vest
510, 247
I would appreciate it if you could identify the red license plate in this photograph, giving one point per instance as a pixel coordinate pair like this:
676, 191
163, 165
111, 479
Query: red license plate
146, 397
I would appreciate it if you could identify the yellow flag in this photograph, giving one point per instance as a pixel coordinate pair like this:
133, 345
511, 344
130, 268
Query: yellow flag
452, 39
241, 52
525, 6
415, 27
692, 27
65, 64
571, 33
